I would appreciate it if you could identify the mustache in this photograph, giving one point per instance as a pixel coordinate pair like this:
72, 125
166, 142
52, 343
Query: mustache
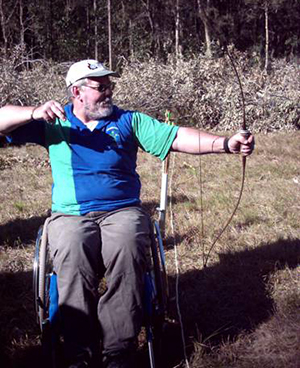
107, 101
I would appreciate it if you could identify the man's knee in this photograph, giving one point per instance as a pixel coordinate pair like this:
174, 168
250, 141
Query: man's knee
130, 230
75, 243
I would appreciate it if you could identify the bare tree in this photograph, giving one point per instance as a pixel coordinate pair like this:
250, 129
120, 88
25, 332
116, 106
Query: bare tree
267, 60
203, 17
109, 34
95, 28
88, 27
178, 49
5, 23
22, 27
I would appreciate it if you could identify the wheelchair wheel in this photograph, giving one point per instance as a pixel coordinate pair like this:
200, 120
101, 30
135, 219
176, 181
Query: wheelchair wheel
41, 277
157, 289
43, 281
159, 268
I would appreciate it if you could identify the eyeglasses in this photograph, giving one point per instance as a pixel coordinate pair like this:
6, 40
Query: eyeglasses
102, 87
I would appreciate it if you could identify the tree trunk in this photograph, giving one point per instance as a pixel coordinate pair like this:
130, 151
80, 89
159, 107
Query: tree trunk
178, 50
267, 60
3, 28
48, 50
131, 41
88, 29
5, 22
109, 34
203, 17
95, 28
155, 44
22, 28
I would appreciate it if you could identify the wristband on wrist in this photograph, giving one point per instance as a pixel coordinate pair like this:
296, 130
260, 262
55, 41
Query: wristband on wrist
33, 110
225, 145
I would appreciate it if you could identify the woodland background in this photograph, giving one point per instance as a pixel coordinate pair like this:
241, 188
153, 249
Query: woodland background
117, 30
171, 55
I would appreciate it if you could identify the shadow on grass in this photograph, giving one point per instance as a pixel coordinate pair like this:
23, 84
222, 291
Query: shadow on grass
20, 231
20, 338
217, 303
18, 322
24, 231
19, 332
221, 301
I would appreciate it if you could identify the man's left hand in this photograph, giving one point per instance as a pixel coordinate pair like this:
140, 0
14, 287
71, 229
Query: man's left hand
241, 143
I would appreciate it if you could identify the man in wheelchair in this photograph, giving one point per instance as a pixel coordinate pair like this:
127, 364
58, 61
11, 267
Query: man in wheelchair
97, 226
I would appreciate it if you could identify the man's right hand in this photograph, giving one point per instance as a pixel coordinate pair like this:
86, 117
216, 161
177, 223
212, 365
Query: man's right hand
49, 111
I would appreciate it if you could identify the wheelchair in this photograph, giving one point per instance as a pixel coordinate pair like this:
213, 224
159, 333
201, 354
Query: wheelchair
46, 297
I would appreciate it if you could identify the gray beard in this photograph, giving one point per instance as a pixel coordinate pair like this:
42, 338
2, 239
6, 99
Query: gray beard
98, 112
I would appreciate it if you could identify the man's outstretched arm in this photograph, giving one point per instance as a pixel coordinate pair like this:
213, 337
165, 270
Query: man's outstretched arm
194, 141
11, 117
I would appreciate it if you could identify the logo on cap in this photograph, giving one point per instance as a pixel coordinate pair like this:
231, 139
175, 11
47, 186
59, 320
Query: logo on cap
92, 66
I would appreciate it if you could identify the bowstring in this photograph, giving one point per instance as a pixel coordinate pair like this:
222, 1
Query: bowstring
200, 183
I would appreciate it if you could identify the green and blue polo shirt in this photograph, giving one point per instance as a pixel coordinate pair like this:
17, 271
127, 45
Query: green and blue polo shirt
96, 170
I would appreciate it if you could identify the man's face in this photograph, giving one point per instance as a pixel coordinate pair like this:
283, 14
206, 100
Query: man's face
97, 98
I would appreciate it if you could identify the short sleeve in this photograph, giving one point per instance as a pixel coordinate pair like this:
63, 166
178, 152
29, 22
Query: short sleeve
153, 136
33, 132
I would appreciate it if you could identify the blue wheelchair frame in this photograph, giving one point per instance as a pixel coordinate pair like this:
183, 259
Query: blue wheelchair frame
46, 296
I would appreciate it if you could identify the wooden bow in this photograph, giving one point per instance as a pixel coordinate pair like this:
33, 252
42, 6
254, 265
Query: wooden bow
245, 132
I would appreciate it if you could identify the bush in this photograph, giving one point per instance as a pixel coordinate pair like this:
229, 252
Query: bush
199, 92
30, 82
205, 92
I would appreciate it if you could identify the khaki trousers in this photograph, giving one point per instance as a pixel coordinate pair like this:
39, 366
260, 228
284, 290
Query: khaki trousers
84, 248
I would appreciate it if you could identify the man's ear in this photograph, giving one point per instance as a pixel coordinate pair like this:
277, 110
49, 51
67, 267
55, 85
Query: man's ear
75, 91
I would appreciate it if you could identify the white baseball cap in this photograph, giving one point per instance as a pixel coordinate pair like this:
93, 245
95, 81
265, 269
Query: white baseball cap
85, 69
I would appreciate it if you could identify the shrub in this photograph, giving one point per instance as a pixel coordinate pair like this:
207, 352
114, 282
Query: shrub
199, 91
205, 92
30, 82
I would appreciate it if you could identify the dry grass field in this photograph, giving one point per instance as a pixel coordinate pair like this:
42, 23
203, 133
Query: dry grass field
240, 311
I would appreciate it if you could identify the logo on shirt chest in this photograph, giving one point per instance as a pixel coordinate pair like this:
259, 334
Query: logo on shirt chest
114, 133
